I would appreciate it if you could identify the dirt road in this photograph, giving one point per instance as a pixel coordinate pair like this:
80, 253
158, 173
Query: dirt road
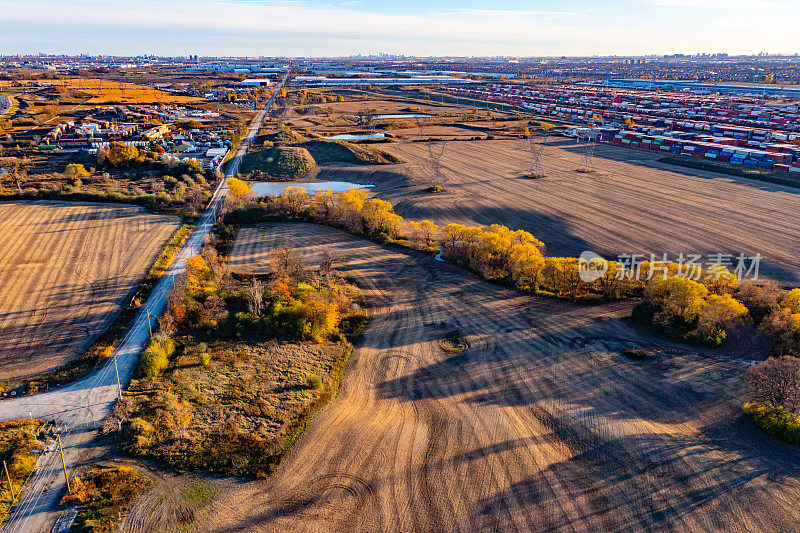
630, 204
80, 408
540, 425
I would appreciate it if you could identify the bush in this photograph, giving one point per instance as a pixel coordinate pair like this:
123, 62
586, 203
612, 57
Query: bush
75, 170
102, 494
155, 358
314, 382
776, 421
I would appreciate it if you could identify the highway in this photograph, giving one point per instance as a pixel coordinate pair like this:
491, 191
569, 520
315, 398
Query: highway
80, 408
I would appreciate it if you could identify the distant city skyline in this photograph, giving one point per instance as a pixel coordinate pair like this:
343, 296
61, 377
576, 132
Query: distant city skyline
413, 27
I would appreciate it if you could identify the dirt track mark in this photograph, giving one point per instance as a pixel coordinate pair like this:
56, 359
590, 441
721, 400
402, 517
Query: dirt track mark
541, 425
66, 268
631, 204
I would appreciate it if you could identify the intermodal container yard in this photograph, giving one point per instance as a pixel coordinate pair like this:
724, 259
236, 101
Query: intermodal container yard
731, 129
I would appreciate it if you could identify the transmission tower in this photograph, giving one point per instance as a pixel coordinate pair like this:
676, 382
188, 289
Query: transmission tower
588, 156
436, 151
535, 147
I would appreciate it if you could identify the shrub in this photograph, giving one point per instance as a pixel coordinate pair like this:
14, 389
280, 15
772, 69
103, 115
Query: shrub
205, 359
155, 358
102, 494
776, 421
75, 170
314, 382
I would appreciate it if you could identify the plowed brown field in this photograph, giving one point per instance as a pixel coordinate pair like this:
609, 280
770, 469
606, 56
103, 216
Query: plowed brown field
66, 269
540, 425
630, 204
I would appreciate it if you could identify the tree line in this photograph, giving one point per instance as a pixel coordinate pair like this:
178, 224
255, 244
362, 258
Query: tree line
705, 309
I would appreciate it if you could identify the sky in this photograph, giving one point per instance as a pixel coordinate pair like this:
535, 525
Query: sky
411, 27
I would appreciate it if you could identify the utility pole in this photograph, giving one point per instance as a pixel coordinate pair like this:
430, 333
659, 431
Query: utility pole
63, 462
10, 485
149, 325
116, 369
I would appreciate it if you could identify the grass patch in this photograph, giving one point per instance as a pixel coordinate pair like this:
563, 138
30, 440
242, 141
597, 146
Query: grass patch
102, 494
332, 151
454, 342
199, 493
776, 421
18, 440
278, 162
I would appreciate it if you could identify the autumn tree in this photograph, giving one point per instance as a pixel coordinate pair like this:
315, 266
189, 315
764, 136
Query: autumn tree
293, 200
351, 203
775, 382
285, 262
783, 324
760, 300
679, 300
424, 234
526, 262
75, 171
238, 188
720, 281
719, 314
118, 155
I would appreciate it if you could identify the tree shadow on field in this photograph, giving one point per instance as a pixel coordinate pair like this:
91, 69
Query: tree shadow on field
64, 322
638, 482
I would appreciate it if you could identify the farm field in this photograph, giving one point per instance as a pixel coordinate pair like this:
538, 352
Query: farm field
66, 270
541, 424
631, 203
102, 91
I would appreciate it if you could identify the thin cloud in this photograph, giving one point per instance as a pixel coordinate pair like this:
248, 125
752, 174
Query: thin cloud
749, 5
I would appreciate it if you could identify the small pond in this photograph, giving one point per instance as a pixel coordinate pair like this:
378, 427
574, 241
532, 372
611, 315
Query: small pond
271, 188
355, 136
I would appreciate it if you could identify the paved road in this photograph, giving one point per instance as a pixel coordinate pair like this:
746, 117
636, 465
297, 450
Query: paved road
80, 408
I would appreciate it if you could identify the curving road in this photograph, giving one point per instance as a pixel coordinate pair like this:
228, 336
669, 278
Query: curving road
79, 409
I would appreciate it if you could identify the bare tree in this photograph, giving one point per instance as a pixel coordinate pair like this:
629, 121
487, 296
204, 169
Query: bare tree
285, 262
775, 382
326, 262
255, 297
